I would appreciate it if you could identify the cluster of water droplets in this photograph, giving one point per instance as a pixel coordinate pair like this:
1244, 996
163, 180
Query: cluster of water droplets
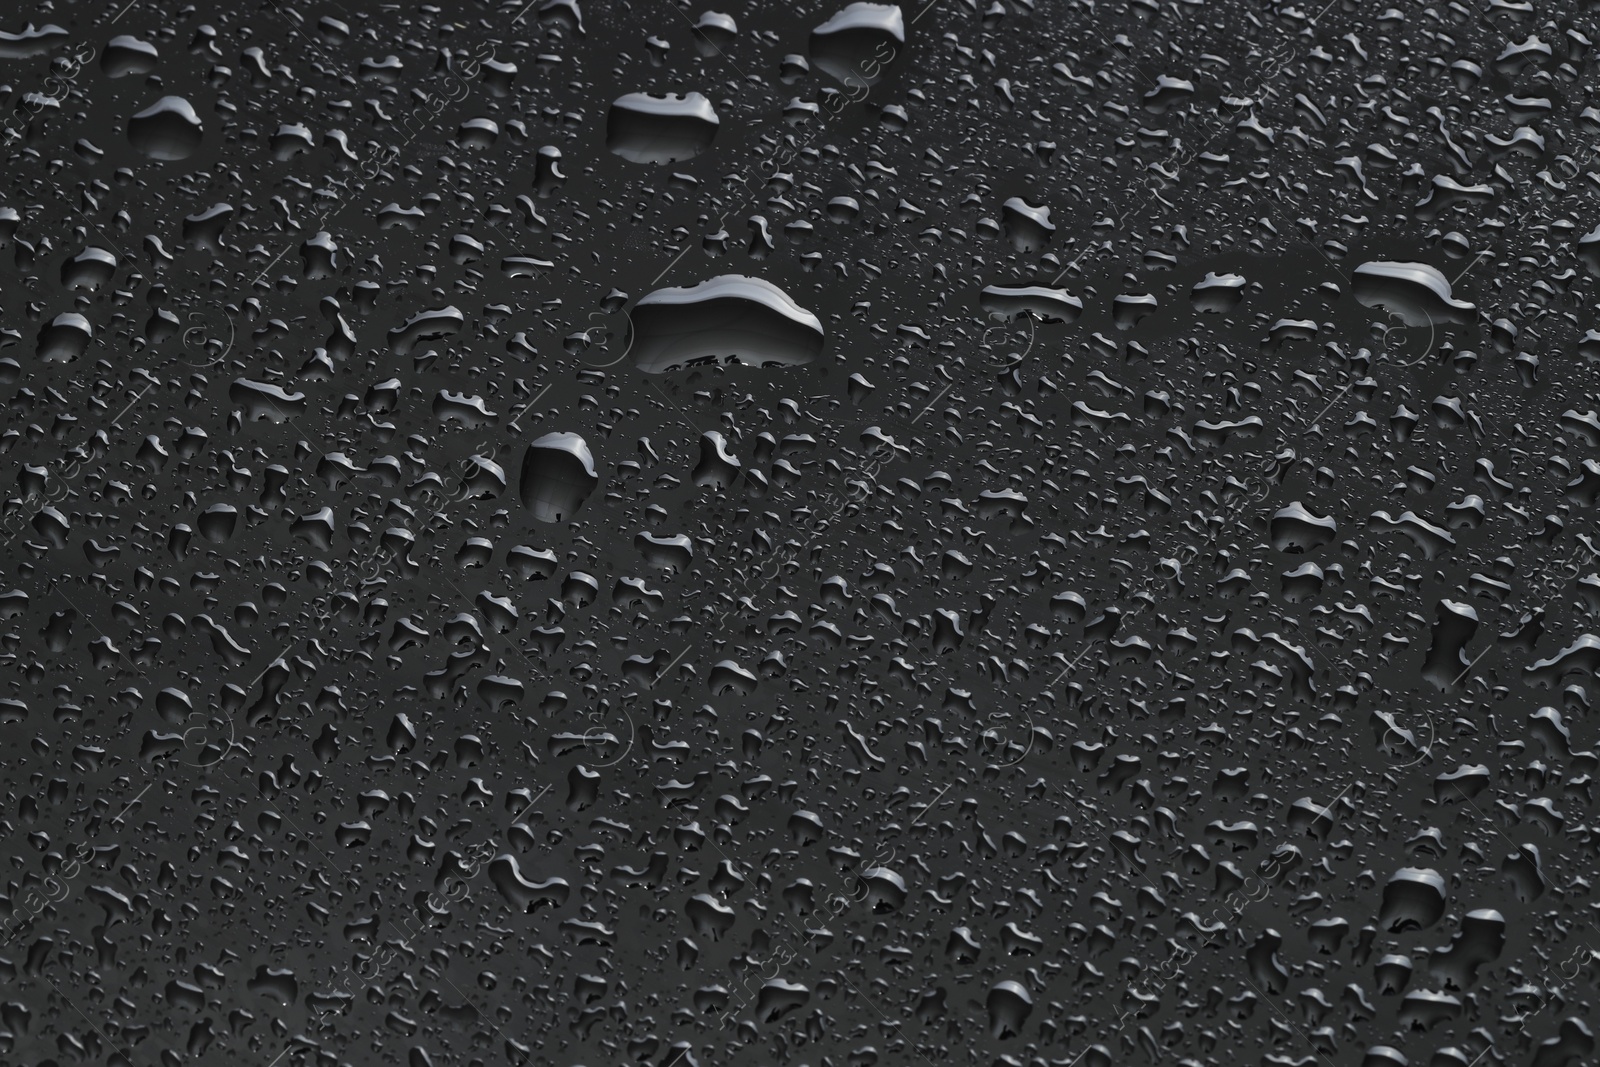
570, 533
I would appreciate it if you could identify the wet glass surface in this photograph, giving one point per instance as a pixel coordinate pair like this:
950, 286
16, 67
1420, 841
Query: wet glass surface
565, 533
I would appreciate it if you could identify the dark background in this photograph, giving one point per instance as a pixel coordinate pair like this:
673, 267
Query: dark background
1097, 805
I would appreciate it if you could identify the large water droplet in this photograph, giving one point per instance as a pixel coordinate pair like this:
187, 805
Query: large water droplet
557, 476
168, 129
654, 128
1415, 292
855, 44
731, 319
